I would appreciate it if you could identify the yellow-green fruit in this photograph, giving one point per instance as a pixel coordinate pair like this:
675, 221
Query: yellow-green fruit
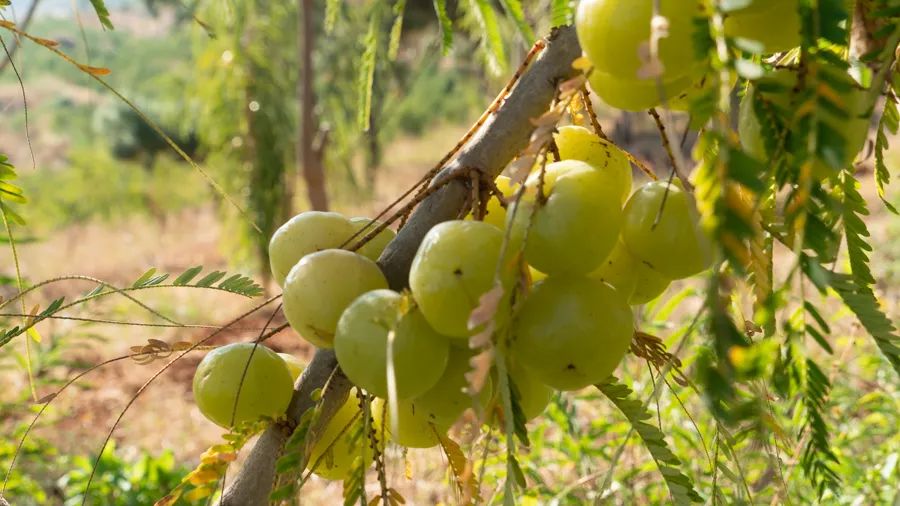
339, 445
372, 249
572, 332
632, 278
447, 399
776, 28
453, 268
616, 33
661, 229
754, 6
576, 226
321, 286
303, 234
414, 429
579, 143
636, 94
361, 345
295, 365
534, 396
220, 394
495, 213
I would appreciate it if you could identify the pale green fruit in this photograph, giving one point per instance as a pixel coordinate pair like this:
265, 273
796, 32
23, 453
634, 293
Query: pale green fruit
372, 249
336, 448
265, 391
295, 365
361, 341
321, 286
414, 427
631, 277
447, 399
534, 396
637, 94
671, 241
776, 28
615, 33
579, 143
453, 268
303, 234
495, 213
576, 227
572, 332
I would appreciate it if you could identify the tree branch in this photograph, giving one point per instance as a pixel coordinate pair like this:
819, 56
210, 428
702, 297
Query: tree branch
500, 139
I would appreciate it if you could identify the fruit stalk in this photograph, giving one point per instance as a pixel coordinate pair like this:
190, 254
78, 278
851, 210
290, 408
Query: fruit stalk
500, 139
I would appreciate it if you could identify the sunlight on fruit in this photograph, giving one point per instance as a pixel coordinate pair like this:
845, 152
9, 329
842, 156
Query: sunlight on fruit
226, 400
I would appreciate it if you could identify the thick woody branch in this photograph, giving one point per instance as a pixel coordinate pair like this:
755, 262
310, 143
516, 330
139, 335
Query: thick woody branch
500, 139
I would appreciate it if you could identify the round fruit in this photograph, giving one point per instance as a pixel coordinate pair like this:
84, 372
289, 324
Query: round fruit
636, 94
755, 6
776, 28
576, 227
304, 234
572, 332
447, 399
361, 341
452, 269
321, 286
579, 143
632, 278
227, 401
414, 428
495, 212
338, 446
616, 33
372, 249
671, 241
534, 396
295, 365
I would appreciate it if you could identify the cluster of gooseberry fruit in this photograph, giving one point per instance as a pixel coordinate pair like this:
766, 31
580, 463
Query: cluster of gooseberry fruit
570, 248
615, 34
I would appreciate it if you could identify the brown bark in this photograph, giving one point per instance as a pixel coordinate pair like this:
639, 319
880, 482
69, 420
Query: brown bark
311, 165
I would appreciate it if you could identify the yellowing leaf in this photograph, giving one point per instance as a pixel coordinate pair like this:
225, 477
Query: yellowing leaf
34, 334
198, 493
201, 476
95, 71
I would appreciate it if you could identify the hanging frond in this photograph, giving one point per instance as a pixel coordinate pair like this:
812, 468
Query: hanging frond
514, 9
680, 485
890, 121
818, 459
853, 211
490, 33
102, 13
561, 12
440, 9
367, 71
862, 301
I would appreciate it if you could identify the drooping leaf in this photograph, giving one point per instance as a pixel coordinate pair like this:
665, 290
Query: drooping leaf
514, 9
490, 33
440, 9
680, 485
102, 13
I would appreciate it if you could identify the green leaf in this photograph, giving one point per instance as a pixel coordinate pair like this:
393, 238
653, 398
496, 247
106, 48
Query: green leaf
854, 207
144, 277
862, 301
102, 14
367, 72
187, 275
440, 9
890, 121
514, 9
210, 278
680, 485
396, 30
560, 12
332, 8
490, 33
